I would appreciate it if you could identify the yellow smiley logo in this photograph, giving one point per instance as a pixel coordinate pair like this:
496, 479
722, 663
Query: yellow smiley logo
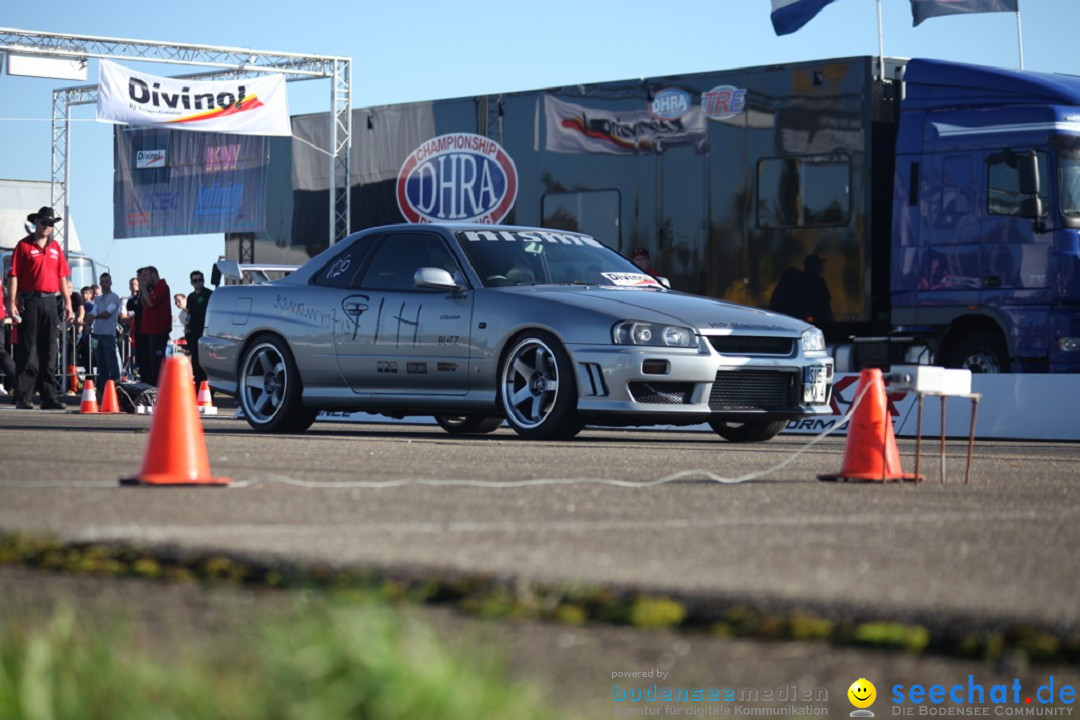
862, 693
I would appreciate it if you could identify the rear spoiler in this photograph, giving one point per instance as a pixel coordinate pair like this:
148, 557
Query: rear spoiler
230, 272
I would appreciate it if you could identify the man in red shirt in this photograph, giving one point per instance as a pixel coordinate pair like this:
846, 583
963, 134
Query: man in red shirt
155, 323
39, 271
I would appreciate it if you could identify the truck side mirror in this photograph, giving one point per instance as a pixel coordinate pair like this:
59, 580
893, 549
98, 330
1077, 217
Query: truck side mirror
1031, 208
1028, 169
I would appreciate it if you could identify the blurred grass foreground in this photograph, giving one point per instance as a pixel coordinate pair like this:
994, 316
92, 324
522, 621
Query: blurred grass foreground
330, 661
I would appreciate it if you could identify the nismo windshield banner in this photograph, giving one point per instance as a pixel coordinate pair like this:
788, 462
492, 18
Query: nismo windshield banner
251, 106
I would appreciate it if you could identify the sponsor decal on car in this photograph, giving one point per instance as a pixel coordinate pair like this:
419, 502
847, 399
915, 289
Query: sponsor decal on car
529, 236
631, 279
460, 177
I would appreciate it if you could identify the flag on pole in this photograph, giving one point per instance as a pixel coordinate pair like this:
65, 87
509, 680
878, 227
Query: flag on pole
923, 9
790, 15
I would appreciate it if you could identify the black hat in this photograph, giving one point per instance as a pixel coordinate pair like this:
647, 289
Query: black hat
45, 213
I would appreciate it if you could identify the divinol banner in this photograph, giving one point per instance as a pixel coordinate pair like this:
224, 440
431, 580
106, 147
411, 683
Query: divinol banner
172, 183
251, 106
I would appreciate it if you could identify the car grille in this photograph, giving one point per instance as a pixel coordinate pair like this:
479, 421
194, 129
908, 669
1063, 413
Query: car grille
752, 390
662, 393
752, 345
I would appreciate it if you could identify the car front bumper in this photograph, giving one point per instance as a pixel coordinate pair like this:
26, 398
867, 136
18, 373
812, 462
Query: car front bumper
613, 380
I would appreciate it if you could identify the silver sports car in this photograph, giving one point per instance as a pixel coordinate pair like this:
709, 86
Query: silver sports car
476, 324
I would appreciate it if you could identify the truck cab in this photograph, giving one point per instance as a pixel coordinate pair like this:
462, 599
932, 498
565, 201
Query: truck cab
986, 217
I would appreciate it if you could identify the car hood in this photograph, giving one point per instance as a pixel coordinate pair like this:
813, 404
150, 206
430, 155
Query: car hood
665, 306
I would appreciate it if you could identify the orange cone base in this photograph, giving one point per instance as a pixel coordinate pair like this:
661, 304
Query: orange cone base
902, 477
167, 480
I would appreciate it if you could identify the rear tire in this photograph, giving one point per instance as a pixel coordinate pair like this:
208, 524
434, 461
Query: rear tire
537, 389
469, 424
747, 431
270, 388
980, 352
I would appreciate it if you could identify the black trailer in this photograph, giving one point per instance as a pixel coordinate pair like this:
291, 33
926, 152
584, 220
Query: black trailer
737, 183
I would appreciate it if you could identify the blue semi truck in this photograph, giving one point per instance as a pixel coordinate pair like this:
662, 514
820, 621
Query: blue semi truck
917, 210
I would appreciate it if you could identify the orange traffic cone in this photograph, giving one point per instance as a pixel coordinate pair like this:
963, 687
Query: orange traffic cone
871, 452
109, 403
89, 398
176, 451
205, 400
73, 383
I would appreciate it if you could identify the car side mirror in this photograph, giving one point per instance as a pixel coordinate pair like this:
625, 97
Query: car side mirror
435, 278
663, 281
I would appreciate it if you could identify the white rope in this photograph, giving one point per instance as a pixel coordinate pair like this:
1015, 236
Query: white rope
503, 484
494, 484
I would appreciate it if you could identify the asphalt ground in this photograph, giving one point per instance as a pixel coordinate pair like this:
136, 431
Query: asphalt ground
404, 497
410, 500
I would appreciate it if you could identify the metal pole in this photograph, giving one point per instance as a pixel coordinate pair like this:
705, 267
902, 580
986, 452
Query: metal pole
67, 177
943, 439
1019, 35
881, 42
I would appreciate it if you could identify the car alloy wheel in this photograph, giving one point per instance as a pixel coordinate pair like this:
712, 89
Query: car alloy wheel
270, 389
537, 388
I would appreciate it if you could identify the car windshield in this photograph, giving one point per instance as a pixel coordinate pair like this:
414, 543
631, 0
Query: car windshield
534, 257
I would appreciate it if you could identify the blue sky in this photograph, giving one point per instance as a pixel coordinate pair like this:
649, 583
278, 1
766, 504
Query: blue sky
412, 50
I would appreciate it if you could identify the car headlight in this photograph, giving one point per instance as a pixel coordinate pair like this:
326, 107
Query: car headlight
652, 334
813, 340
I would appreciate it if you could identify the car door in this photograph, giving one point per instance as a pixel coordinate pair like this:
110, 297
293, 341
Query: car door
404, 339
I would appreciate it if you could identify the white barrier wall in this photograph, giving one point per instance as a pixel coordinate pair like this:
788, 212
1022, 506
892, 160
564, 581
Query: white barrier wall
1013, 407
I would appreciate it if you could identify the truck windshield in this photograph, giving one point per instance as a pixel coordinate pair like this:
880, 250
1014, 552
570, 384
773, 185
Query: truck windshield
1069, 169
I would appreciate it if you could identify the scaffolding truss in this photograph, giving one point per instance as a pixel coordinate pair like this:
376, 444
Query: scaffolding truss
231, 62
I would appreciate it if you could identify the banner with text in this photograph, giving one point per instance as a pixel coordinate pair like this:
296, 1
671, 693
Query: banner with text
251, 106
169, 183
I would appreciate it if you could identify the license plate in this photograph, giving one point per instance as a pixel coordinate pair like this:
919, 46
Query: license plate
814, 385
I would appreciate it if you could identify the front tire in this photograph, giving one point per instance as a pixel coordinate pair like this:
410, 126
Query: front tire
537, 389
469, 424
270, 389
747, 431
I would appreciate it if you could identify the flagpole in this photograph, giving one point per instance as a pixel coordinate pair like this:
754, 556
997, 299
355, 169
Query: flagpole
1019, 34
881, 43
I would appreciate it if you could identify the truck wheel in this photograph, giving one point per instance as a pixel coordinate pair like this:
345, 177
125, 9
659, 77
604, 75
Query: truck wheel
537, 390
469, 424
981, 352
747, 431
270, 389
